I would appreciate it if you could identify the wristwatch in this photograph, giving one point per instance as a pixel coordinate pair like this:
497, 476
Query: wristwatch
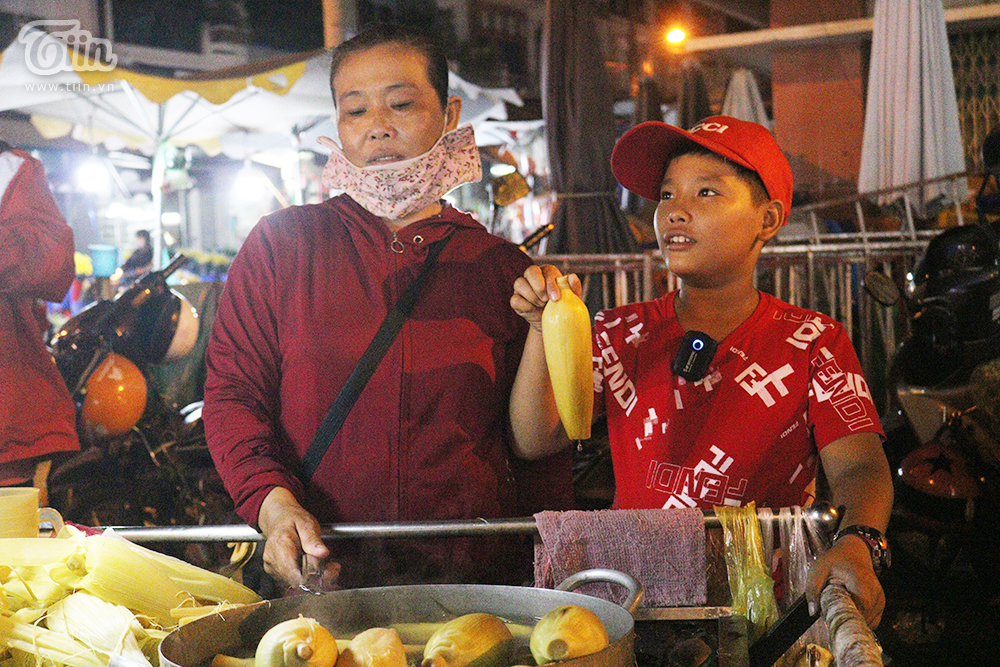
876, 542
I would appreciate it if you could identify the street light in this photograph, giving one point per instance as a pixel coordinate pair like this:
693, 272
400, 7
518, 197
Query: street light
675, 36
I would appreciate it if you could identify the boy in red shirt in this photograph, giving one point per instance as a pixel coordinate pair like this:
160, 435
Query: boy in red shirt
782, 391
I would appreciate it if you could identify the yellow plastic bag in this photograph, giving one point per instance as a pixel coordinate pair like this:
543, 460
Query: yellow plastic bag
749, 579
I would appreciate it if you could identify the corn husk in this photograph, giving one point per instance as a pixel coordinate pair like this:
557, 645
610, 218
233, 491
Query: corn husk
145, 581
106, 628
80, 600
55, 647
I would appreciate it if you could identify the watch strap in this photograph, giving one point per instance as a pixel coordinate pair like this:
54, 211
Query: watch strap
876, 543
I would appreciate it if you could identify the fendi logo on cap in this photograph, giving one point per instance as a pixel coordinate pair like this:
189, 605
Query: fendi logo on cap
709, 127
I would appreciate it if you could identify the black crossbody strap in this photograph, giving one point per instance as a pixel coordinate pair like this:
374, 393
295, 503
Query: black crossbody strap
366, 366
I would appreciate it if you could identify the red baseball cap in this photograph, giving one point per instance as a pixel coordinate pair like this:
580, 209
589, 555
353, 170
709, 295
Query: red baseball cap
639, 160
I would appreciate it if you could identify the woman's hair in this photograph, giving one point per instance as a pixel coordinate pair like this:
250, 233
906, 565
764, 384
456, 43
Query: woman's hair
144, 233
390, 33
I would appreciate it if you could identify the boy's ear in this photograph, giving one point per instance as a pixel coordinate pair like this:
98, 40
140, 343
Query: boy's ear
774, 216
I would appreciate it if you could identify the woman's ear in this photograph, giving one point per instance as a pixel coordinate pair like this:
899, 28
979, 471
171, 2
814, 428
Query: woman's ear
774, 216
452, 111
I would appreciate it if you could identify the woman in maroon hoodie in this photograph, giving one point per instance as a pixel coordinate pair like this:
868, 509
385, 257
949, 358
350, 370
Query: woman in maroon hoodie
36, 262
429, 437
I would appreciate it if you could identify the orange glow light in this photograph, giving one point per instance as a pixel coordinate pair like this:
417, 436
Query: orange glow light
675, 36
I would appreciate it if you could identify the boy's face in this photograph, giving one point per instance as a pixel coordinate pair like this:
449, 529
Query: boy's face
707, 224
387, 109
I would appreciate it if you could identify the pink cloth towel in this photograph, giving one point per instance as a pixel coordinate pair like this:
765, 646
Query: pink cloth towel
663, 549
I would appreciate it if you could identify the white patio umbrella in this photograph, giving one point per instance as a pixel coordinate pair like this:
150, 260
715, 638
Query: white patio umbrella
67, 94
912, 131
259, 106
743, 99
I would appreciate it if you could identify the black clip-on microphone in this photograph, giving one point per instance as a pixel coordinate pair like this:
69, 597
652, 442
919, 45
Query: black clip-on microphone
696, 353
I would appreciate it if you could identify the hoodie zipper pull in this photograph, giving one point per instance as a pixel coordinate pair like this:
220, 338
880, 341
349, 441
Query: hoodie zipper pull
396, 245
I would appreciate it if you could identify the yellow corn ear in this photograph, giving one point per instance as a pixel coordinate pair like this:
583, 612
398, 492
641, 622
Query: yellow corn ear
477, 638
568, 354
567, 632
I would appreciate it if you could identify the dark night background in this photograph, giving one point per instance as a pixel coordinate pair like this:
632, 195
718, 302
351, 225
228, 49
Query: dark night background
289, 25
297, 25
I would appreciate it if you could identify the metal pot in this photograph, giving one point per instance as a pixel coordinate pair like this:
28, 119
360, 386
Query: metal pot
348, 612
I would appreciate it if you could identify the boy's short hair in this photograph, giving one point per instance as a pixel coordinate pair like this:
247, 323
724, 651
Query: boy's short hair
641, 156
393, 33
757, 188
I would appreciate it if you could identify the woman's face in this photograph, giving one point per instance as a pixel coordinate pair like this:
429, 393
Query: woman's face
387, 109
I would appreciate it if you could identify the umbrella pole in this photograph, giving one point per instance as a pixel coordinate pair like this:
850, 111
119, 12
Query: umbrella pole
158, 179
299, 190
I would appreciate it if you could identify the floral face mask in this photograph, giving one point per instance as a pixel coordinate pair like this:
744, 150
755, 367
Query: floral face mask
398, 189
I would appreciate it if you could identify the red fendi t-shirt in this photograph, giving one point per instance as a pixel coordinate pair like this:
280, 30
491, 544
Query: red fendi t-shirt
783, 385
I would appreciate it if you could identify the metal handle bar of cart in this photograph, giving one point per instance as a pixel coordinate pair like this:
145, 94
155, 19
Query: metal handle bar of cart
823, 514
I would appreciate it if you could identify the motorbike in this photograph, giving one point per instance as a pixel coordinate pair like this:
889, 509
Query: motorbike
141, 462
943, 424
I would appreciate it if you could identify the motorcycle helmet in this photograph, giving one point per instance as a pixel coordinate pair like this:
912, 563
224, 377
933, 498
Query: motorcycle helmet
165, 329
77, 341
954, 298
152, 323
149, 324
115, 398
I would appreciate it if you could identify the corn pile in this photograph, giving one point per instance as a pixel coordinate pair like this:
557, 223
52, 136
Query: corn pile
79, 601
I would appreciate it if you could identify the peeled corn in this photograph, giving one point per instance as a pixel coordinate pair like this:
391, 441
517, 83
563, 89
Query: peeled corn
299, 642
567, 632
482, 638
375, 647
568, 354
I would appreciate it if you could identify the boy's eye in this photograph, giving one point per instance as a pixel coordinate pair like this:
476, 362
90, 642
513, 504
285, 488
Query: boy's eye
399, 106
707, 192
354, 113
664, 196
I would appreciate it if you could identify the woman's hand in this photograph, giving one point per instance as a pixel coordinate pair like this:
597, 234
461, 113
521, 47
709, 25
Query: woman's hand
848, 560
291, 533
535, 288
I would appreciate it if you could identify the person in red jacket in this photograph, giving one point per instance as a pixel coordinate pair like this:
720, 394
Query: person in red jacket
429, 437
36, 263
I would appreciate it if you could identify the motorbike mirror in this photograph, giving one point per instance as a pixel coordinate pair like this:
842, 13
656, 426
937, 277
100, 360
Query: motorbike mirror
508, 188
881, 288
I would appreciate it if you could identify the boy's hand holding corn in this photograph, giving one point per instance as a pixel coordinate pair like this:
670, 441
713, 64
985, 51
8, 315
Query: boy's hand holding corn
536, 288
